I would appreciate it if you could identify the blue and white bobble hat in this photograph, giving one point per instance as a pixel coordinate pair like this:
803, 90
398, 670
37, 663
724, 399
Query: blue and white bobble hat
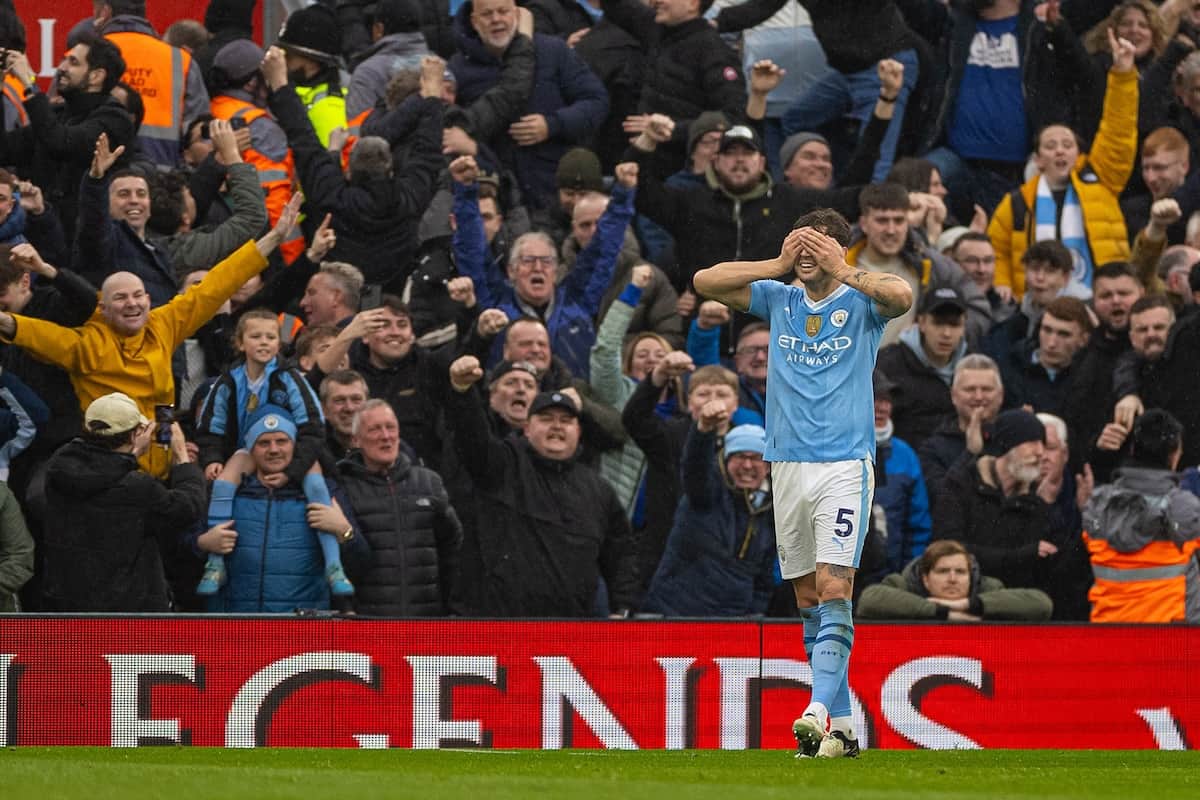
746, 439
268, 419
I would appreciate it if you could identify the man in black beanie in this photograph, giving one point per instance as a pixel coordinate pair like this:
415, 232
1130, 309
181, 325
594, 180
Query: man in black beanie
398, 44
990, 504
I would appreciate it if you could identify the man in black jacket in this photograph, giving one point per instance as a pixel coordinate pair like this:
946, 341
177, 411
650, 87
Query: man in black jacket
107, 520
689, 70
406, 518
376, 209
990, 504
554, 528
54, 150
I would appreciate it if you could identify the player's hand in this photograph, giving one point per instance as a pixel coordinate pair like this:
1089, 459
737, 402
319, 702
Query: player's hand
659, 127
826, 252
714, 415
1046, 549
918, 208
1005, 293
713, 314
338, 138
213, 471
465, 372
491, 321
32, 199
961, 604
25, 256
635, 123
574, 38
462, 291
641, 275
962, 616
790, 251
673, 365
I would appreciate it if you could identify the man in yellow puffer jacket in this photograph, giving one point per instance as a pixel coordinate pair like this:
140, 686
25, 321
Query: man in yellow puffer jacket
1074, 199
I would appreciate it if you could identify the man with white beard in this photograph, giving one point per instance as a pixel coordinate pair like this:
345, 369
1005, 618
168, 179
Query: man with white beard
991, 505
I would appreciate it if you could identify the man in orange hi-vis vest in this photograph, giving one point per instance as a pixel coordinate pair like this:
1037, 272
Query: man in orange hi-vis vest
170, 84
1143, 532
240, 94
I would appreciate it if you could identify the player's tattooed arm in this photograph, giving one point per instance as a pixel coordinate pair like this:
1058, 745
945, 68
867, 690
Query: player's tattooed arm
891, 293
838, 571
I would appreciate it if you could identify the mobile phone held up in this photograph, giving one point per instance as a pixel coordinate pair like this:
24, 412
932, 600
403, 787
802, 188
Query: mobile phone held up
163, 417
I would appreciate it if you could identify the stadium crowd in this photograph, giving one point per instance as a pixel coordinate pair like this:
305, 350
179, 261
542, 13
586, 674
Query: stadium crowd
396, 317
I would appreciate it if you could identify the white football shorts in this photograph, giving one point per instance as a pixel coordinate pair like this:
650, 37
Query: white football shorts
822, 511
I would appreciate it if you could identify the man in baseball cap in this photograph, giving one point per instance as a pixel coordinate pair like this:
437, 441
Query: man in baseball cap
104, 517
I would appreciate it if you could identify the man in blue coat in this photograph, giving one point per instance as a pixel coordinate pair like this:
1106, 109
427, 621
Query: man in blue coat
271, 550
720, 554
567, 102
567, 310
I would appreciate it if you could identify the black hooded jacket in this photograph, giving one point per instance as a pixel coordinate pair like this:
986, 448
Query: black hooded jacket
105, 524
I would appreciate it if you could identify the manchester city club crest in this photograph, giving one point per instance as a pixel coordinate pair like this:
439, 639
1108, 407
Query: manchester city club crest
812, 325
839, 317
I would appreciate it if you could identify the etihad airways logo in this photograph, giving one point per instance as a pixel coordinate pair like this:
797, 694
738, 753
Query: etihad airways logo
813, 354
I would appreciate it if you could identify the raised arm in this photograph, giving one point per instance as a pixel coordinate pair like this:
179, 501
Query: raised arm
729, 282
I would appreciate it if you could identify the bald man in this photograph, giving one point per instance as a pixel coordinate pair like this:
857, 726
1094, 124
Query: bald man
126, 347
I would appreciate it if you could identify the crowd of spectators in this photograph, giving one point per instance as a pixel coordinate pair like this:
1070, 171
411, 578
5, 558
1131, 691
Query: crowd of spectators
393, 314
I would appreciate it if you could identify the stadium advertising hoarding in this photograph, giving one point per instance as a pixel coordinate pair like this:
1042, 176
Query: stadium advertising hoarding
47, 25
240, 682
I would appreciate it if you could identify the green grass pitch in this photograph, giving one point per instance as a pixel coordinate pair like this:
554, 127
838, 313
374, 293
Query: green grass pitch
214, 774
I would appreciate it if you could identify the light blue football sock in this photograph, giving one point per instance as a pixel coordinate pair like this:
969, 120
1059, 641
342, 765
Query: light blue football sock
831, 654
220, 504
316, 490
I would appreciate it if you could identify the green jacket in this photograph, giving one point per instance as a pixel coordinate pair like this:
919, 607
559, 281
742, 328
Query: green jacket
622, 469
902, 596
16, 550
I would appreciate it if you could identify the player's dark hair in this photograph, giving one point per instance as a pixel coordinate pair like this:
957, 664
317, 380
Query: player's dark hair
1156, 436
882, 197
828, 222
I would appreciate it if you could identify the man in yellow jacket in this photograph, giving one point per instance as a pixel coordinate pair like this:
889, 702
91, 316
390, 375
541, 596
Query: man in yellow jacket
1074, 199
126, 347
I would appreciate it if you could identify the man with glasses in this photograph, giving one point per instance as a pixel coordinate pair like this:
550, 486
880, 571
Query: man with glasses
568, 309
974, 253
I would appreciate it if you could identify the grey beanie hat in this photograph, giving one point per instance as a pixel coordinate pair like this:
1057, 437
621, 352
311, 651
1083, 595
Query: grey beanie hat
794, 142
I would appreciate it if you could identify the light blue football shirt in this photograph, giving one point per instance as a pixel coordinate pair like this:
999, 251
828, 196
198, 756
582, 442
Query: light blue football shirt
820, 396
